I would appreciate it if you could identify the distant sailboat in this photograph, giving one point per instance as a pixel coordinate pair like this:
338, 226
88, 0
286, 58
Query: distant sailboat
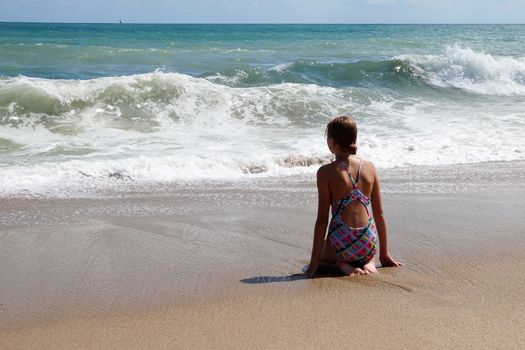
120, 21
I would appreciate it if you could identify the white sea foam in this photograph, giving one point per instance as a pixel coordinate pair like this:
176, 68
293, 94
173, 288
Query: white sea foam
74, 136
281, 67
473, 71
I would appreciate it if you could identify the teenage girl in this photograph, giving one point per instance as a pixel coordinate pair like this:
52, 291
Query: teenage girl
350, 187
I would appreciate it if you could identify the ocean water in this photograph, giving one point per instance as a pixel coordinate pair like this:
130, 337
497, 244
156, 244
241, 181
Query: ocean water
86, 106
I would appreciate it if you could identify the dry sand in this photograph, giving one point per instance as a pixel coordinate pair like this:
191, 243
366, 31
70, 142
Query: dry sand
201, 268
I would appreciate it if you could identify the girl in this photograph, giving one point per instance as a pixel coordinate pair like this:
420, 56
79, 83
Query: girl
351, 186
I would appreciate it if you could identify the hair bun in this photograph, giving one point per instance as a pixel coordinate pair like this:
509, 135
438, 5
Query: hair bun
353, 148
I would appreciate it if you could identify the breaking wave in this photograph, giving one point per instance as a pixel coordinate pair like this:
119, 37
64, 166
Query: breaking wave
475, 72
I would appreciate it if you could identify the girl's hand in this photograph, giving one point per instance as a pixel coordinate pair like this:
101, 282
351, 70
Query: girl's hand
387, 261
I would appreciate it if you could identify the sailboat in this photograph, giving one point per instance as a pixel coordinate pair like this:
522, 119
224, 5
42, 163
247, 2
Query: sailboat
120, 21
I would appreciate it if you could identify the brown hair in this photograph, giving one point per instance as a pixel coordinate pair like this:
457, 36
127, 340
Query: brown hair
343, 131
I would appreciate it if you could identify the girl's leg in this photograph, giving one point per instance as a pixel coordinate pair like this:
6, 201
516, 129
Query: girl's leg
327, 254
328, 257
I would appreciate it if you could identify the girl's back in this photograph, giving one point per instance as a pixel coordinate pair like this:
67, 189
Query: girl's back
340, 175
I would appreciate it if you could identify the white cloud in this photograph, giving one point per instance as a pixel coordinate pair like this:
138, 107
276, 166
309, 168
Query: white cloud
441, 3
381, 2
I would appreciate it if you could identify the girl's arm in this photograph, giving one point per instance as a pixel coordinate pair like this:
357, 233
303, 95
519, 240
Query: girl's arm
379, 218
323, 209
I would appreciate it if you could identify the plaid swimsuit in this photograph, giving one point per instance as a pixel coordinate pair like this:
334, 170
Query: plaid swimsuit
357, 246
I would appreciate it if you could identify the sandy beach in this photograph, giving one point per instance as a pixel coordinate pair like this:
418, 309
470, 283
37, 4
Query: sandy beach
219, 267
157, 174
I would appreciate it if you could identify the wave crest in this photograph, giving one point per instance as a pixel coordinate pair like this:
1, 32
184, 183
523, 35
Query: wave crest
334, 74
457, 67
153, 101
475, 72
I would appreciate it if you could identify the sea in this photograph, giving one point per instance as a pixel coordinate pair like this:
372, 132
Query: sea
88, 107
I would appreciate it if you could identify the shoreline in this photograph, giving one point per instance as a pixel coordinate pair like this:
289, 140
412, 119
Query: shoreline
219, 267
449, 178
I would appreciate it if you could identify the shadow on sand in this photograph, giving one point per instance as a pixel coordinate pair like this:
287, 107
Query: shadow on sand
323, 271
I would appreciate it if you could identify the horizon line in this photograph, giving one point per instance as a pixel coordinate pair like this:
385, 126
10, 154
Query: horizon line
277, 23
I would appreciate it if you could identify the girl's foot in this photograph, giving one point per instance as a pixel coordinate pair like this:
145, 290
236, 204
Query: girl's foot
350, 270
370, 267
358, 271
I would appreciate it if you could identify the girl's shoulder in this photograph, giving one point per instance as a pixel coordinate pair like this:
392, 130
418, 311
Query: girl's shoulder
367, 166
367, 163
355, 162
337, 164
327, 168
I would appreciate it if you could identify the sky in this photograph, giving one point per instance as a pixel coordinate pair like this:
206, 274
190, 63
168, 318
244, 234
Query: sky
264, 11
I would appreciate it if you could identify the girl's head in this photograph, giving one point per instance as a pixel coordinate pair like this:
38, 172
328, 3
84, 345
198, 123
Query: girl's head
342, 132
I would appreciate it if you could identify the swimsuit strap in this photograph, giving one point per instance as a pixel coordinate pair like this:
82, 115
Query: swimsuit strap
359, 171
354, 183
356, 196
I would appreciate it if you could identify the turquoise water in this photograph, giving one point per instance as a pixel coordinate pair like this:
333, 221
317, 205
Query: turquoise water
82, 51
164, 103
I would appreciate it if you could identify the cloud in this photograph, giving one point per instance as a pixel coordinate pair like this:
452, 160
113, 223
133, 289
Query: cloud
381, 2
442, 3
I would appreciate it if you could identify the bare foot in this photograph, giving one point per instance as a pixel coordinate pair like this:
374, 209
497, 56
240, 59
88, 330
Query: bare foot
358, 271
370, 267
350, 270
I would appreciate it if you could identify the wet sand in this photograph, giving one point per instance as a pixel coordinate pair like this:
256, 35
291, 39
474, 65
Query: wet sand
220, 267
